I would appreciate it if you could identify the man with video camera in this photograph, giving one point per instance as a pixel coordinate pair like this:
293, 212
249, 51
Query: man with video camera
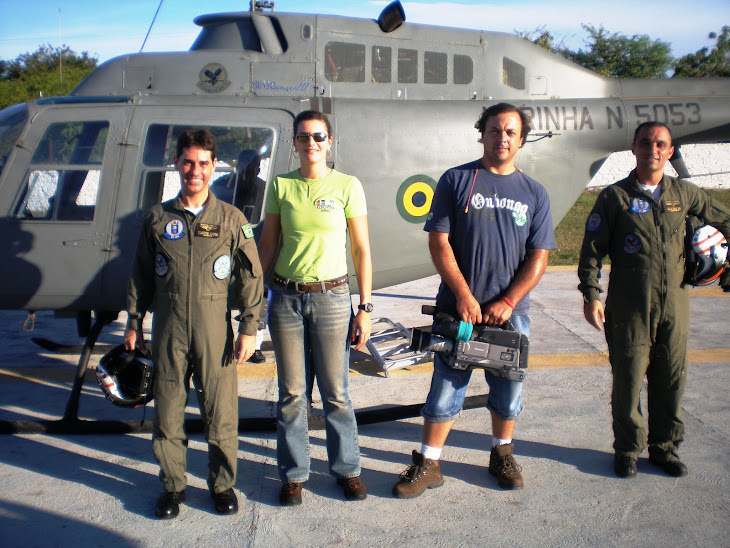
490, 233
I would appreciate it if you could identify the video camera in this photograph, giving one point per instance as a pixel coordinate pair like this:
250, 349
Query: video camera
502, 350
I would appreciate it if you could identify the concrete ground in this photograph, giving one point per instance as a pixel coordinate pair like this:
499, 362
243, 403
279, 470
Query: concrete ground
100, 490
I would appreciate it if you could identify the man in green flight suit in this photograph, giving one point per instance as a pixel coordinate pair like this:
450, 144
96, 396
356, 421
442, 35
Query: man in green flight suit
640, 222
189, 250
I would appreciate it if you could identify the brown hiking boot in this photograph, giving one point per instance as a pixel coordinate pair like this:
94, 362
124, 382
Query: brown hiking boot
421, 475
503, 465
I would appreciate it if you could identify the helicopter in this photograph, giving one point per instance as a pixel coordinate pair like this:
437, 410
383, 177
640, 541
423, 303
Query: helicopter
77, 173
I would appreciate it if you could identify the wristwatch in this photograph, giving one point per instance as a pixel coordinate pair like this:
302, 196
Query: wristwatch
367, 307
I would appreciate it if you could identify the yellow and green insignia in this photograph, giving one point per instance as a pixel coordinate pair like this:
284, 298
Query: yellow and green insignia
247, 230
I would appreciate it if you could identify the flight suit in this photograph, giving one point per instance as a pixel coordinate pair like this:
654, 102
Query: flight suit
182, 270
647, 308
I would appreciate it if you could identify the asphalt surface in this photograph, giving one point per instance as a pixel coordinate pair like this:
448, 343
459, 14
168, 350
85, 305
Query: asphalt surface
100, 489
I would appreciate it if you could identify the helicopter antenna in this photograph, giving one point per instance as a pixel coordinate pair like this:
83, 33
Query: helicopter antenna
150, 29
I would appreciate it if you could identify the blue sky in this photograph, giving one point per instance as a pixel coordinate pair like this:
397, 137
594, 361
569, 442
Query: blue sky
108, 28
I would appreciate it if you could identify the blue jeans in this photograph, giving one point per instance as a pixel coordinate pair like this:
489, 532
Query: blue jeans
448, 387
310, 336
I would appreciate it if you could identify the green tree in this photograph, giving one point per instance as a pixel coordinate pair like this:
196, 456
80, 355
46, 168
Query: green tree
705, 62
620, 56
49, 71
611, 54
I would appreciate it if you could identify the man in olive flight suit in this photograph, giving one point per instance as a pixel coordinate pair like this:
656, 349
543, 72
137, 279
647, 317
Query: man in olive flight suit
640, 223
189, 250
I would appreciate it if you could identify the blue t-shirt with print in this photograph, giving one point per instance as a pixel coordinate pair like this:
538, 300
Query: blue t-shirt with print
506, 216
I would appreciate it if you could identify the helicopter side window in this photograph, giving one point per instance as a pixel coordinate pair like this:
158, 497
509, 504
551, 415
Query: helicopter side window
407, 66
12, 122
241, 172
63, 182
434, 67
463, 69
381, 61
513, 74
344, 62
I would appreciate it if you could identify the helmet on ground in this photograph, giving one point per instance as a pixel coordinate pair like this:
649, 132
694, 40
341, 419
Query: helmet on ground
709, 248
125, 377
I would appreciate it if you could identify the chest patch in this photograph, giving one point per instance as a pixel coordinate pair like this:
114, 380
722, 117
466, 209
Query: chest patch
207, 230
174, 230
631, 243
222, 267
161, 267
640, 205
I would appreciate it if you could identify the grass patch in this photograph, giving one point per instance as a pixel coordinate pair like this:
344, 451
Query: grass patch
569, 233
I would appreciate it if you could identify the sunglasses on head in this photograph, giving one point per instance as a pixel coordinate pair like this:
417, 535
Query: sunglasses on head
318, 137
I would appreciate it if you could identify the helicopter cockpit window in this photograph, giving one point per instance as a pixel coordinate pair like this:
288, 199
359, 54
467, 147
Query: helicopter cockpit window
434, 67
344, 62
380, 69
407, 66
63, 182
463, 69
243, 166
513, 74
12, 122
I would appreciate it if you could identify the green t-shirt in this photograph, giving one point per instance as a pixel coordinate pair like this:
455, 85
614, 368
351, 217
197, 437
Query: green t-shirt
314, 215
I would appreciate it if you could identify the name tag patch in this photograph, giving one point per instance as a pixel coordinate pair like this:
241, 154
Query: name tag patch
207, 230
673, 206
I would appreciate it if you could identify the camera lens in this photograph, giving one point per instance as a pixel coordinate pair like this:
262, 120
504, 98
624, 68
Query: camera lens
423, 341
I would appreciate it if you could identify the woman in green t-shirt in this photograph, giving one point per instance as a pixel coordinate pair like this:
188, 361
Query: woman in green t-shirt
309, 212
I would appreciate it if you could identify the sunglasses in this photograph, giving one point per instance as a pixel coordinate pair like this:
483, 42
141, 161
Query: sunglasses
318, 137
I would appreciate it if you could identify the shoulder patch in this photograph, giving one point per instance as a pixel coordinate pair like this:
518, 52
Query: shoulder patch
247, 231
594, 222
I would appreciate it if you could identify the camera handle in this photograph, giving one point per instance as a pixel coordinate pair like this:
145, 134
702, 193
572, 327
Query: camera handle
465, 329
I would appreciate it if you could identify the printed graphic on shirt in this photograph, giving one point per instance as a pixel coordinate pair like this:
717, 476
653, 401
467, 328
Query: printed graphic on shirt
477, 201
160, 265
594, 222
222, 267
174, 230
324, 204
520, 219
518, 209
631, 243
640, 205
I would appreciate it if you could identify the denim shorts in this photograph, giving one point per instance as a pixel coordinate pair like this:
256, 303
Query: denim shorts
448, 387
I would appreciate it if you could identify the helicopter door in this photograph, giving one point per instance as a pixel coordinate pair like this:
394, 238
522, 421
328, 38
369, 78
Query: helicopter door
63, 208
249, 151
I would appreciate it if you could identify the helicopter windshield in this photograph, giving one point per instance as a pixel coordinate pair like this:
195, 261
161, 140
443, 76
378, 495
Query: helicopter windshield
12, 122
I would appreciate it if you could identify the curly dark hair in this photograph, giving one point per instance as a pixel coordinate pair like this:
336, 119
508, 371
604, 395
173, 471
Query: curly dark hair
501, 108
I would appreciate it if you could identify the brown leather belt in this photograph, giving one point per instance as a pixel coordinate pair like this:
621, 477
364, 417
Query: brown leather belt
309, 287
